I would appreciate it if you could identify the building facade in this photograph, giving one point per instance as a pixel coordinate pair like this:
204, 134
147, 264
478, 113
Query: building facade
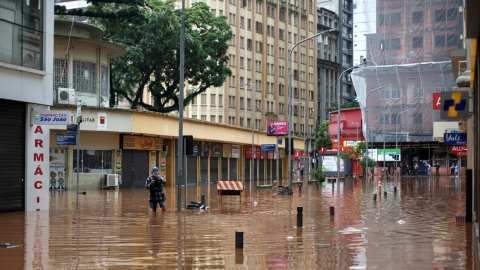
26, 77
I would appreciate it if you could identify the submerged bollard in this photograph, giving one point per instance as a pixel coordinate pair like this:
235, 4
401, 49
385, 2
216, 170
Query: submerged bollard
332, 210
299, 216
374, 197
385, 194
238, 239
202, 200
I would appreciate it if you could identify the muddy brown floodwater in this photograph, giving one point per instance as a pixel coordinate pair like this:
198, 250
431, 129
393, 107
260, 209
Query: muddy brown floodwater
414, 228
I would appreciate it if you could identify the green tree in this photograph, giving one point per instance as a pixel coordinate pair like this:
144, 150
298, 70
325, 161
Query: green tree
150, 32
345, 105
322, 140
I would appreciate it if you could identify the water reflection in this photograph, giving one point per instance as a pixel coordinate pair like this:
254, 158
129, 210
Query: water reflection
412, 228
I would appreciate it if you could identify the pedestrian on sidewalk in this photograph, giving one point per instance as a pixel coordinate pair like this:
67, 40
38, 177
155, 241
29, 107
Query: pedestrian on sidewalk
415, 169
452, 169
428, 169
155, 185
437, 170
456, 169
301, 169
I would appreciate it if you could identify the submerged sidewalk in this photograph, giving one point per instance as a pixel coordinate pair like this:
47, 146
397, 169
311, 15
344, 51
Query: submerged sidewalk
414, 228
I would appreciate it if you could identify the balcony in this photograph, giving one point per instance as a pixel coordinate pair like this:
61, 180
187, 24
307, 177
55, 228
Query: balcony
293, 8
272, 2
283, 4
304, 13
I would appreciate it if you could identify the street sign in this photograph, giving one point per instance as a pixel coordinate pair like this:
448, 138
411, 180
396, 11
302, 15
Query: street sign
268, 147
72, 129
454, 138
50, 118
66, 139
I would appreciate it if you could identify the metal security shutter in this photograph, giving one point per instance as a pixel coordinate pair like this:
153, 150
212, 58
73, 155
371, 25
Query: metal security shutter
12, 156
204, 169
192, 170
233, 169
270, 173
214, 169
261, 170
224, 170
135, 168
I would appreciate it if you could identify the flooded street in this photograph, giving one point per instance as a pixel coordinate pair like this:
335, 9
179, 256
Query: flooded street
413, 228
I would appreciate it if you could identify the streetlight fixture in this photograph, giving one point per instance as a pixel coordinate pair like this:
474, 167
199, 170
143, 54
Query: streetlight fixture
396, 137
357, 141
384, 106
289, 191
366, 126
252, 106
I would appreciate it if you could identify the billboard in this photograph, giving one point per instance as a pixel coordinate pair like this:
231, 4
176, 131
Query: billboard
277, 128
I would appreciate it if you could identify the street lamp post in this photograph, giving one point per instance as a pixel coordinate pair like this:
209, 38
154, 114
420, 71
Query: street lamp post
252, 106
290, 105
396, 138
366, 127
304, 127
384, 107
357, 141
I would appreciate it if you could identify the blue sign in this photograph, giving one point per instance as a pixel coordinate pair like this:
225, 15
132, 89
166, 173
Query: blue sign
454, 138
268, 147
72, 129
66, 139
279, 141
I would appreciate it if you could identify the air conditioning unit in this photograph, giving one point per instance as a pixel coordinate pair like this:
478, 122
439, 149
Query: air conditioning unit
112, 180
66, 96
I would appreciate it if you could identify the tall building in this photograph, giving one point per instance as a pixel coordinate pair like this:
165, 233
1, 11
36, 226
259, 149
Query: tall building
327, 63
344, 11
26, 78
364, 23
263, 34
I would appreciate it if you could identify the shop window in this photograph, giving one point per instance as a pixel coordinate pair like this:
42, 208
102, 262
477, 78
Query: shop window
93, 161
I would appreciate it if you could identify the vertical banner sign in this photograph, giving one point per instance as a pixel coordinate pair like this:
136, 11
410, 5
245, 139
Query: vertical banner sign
227, 150
118, 161
37, 171
163, 162
57, 165
152, 158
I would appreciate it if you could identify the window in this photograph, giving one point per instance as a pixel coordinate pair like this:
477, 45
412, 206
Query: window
258, 124
212, 99
281, 34
212, 118
232, 41
231, 120
249, 63
283, 16
249, 44
259, 27
214, 12
395, 44
383, 19
258, 7
220, 100
231, 18
21, 27
281, 90
93, 161
439, 41
295, 110
249, 24
310, 95
417, 17
417, 118
203, 117
439, 15
258, 46
258, 66
60, 73
84, 76
281, 52
104, 81
417, 42
395, 19
232, 2
295, 92
452, 14
396, 120
249, 103
384, 119
249, 123
232, 60
310, 60
220, 119
232, 81
241, 61
231, 101
194, 101
242, 22
303, 23
242, 101
258, 85
452, 40
396, 93
258, 104
310, 26
242, 122
418, 93
281, 108
204, 99
194, 116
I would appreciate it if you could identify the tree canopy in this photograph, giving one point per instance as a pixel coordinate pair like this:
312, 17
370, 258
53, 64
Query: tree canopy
150, 32
323, 136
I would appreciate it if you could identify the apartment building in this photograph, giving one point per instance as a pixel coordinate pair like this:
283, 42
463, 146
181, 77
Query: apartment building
263, 34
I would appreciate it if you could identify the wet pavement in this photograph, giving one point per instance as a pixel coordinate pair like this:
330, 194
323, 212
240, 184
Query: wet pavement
413, 228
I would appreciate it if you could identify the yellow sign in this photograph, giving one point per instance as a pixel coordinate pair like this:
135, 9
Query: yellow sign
142, 143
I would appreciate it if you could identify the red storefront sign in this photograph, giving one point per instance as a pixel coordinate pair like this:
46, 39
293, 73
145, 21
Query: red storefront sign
459, 150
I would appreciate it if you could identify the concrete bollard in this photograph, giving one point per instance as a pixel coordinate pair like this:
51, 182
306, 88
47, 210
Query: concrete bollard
202, 200
238, 239
332, 210
299, 216
374, 197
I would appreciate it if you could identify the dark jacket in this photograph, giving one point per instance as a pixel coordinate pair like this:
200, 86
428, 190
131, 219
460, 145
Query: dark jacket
157, 194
